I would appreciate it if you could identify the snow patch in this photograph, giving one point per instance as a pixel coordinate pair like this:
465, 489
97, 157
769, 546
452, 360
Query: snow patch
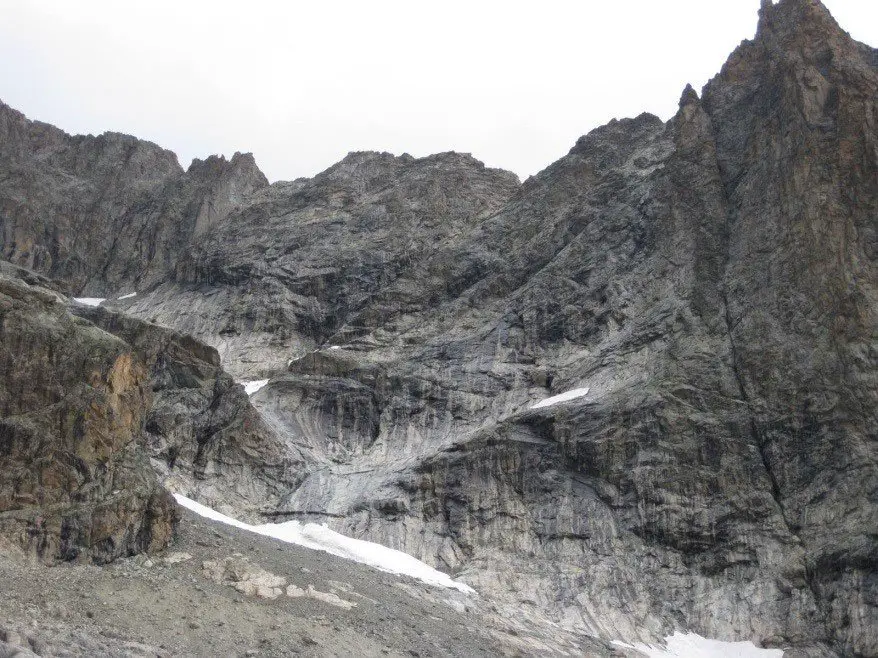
321, 538
128, 296
90, 301
563, 397
252, 386
692, 645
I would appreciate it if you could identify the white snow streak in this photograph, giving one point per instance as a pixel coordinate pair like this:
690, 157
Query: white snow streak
692, 645
321, 538
251, 387
563, 397
128, 296
90, 301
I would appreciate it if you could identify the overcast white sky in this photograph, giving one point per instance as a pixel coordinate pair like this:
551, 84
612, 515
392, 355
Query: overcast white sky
302, 83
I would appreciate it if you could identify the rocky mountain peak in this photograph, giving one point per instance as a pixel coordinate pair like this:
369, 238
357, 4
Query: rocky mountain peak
359, 167
688, 96
796, 21
602, 144
224, 186
128, 157
218, 165
794, 37
364, 166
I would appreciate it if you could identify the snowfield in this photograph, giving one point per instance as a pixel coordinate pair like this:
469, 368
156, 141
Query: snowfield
128, 296
563, 397
90, 301
251, 387
321, 538
692, 645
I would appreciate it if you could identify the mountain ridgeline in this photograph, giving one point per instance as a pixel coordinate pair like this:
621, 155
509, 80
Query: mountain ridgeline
712, 280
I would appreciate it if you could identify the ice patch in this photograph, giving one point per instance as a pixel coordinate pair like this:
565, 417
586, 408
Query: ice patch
563, 397
251, 387
128, 296
90, 301
321, 538
692, 645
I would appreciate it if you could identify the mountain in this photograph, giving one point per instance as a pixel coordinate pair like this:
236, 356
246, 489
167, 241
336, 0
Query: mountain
711, 280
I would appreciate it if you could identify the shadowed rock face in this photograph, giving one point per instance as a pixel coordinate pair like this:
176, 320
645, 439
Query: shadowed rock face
88, 397
75, 478
203, 436
800, 175
711, 279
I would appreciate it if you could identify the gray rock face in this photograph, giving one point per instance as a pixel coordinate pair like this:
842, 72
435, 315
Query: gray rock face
281, 276
204, 437
712, 280
110, 212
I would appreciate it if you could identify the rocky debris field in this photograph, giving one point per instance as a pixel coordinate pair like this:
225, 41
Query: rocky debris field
221, 591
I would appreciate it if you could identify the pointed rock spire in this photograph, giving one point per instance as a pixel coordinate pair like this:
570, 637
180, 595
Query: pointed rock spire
689, 96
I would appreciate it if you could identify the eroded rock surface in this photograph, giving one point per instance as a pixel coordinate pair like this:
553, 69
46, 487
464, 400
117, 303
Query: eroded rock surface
108, 212
284, 274
204, 437
73, 399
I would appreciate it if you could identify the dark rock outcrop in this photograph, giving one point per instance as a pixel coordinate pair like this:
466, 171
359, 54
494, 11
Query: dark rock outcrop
74, 478
88, 396
204, 438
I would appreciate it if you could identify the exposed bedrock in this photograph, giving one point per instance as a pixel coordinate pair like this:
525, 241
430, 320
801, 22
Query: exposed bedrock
203, 436
74, 477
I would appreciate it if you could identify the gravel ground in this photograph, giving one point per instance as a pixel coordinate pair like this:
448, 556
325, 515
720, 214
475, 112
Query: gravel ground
171, 605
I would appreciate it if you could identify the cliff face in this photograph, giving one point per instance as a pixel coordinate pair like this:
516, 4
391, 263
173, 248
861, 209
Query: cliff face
800, 174
279, 277
95, 405
75, 479
201, 433
711, 280
105, 213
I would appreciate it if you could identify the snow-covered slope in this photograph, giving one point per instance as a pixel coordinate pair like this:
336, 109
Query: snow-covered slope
321, 538
692, 645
